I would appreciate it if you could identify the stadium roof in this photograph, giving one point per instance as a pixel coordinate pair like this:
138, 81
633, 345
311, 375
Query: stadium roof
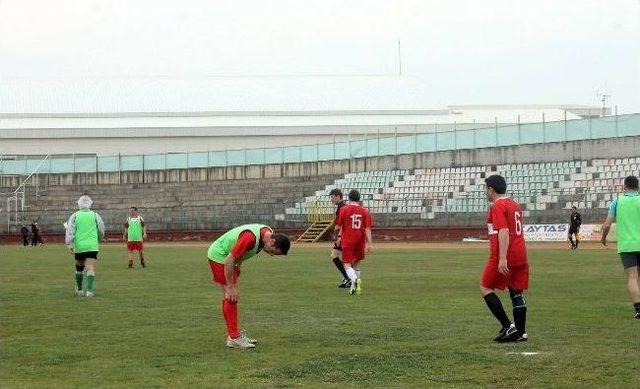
214, 94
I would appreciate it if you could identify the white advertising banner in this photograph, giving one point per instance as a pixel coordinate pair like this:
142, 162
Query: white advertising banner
558, 232
545, 232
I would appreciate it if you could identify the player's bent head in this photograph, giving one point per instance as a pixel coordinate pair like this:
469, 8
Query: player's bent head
279, 244
354, 195
574, 208
497, 183
631, 183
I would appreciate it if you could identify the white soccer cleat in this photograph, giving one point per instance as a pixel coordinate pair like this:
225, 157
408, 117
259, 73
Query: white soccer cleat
240, 342
79, 293
248, 339
89, 294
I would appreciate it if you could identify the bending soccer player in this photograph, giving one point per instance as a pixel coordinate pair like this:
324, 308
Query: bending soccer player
84, 230
625, 211
336, 253
226, 256
135, 233
507, 265
353, 227
575, 220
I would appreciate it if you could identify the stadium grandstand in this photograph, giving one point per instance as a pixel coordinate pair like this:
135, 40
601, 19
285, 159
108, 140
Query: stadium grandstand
201, 171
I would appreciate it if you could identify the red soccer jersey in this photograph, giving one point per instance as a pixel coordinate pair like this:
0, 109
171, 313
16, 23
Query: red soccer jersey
353, 220
506, 213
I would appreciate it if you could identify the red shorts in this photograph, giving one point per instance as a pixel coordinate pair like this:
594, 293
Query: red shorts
352, 254
518, 277
217, 270
135, 246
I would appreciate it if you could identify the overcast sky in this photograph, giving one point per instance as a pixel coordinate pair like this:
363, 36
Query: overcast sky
467, 52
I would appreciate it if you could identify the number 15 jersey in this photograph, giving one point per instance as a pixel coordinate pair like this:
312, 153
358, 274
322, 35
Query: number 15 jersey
353, 220
506, 213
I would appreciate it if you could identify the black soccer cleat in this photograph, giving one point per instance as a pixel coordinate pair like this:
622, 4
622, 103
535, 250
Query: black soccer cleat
345, 284
637, 315
522, 337
503, 332
506, 334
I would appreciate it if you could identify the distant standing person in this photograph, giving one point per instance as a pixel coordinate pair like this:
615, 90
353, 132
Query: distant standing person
135, 233
337, 199
575, 221
35, 234
24, 232
625, 211
85, 229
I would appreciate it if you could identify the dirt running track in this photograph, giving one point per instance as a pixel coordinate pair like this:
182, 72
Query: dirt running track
416, 245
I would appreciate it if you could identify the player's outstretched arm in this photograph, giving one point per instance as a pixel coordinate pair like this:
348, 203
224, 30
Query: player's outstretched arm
368, 242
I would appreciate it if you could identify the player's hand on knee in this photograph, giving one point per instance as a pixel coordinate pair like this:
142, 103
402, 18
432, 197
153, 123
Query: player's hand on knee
231, 293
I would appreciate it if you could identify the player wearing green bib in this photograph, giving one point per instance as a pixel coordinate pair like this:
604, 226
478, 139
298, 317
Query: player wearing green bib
226, 255
135, 233
84, 230
625, 211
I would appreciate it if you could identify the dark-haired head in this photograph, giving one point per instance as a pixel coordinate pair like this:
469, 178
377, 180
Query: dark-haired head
279, 244
496, 186
631, 183
336, 196
354, 195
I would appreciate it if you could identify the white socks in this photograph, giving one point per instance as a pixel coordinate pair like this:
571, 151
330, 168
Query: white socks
353, 275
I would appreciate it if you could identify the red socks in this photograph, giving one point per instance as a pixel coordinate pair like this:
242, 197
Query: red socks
230, 313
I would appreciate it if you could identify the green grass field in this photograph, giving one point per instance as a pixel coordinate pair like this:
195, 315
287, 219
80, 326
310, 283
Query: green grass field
420, 322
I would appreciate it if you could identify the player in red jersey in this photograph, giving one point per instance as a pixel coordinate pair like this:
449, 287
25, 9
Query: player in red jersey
353, 227
507, 265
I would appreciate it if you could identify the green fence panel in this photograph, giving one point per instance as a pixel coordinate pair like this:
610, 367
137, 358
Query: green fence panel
177, 160
603, 128
325, 152
445, 140
466, 139
83, 165
388, 146
217, 158
342, 150
426, 143
236, 157
628, 125
358, 149
531, 133
155, 162
486, 137
555, 132
407, 144
131, 162
578, 130
62, 165
255, 156
198, 160
274, 155
309, 153
292, 154
108, 164
508, 136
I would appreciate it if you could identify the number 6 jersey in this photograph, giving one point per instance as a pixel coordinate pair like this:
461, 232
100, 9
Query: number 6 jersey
353, 219
506, 213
